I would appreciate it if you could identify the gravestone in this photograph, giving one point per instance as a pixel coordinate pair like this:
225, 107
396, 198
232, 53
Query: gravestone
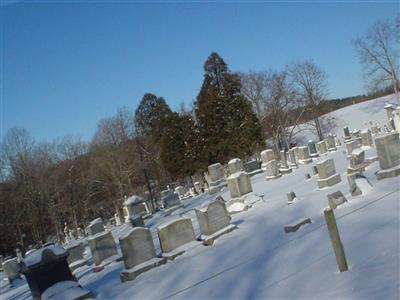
335, 199
389, 110
272, 170
180, 190
239, 184
292, 159
47, 267
284, 169
357, 161
75, 255
235, 165
174, 236
171, 199
312, 148
138, 252
216, 177
252, 167
307, 176
95, 226
374, 129
103, 249
198, 187
322, 147
347, 135
303, 156
388, 150
366, 137
136, 221
350, 146
291, 197
330, 140
11, 269
214, 221
266, 156
327, 173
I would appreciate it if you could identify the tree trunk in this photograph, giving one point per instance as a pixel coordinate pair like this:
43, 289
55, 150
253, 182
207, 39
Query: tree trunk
319, 130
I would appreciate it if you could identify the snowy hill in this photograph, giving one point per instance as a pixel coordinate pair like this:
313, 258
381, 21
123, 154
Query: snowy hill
259, 260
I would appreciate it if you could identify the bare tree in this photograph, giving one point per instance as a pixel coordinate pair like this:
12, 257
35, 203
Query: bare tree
310, 84
379, 52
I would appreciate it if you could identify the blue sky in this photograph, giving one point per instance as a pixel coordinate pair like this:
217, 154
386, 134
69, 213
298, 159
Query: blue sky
67, 64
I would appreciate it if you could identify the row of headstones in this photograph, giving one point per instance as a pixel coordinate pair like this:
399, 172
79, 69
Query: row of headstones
138, 250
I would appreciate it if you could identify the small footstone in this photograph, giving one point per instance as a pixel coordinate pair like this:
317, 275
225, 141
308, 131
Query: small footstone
296, 225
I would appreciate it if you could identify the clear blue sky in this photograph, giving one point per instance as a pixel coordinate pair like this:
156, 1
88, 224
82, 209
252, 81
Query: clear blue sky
66, 65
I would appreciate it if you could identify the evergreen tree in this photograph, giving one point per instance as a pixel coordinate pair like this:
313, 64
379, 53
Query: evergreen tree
150, 116
228, 126
179, 152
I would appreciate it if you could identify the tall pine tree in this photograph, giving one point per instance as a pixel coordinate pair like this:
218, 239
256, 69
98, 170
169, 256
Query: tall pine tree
228, 126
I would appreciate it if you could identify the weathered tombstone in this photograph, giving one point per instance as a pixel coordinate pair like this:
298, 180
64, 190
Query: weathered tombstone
389, 110
135, 206
103, 249
330, 140
180, 190
292, 159
75, 255
366, 137
138, 252
291, 197
358, 184
388, 150
322, 147
235, 165
252, 167
284, 169
170, 200
272, 170
374, 129
347, 135
239, 184
136, 221
266, 156
46, 267
214, 221
313, 148
95, 226
174, 235
11, 269
327, 173
303, 156
350, 146
335, 199
198, 187
357, 161
296, 225
216, 174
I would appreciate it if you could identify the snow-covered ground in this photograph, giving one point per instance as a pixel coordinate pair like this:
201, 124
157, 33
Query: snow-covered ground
259, 260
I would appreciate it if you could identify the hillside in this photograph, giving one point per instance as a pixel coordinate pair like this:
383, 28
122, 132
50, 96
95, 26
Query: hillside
259, 260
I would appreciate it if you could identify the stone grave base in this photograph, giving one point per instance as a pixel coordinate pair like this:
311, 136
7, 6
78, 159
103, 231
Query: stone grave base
336, 199
169, 211
179, 251
293, 166
132, 273
305, 161
255, 172
332, 149
106, 262
330, 181
273, 177
314, 155
77, 264
388, 173
208, 240
296, 225
216, 186
66, 290
285, 171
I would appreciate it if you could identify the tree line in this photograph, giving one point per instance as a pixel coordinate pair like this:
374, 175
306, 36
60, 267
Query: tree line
68, 181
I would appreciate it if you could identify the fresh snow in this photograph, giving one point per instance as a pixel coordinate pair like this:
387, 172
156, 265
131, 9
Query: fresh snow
259, 260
